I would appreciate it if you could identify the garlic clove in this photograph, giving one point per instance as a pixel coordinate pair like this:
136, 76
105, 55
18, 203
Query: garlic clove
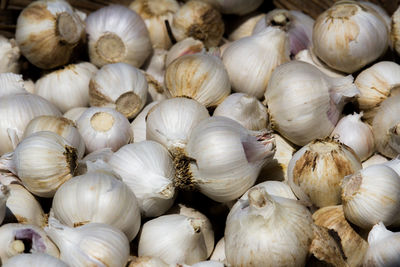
9, 55
37, 259
103, 154
219, 252
186, 46
47, 32
74, 114
138, 125
373, 160
117, 34
11, 83
147, 262
155, 65
245, 27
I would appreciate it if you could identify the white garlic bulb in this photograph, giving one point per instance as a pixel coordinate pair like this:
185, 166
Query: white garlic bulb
276, 188
250, 61
376, 83
174, 239
219, 252
35, 260
18, 238
395, 31
352, 132
186, 46
155, 13
47, 32
223, 159
245, 26
303, 103
68, 87
245, 109
386, 127
59, 125
371, 195
384, 247
172, 120
138, 125
296, 24
103, 127
148, 169
238, 7
199, 20
11, 83
43, 161
9, 55
374, 159
265, 230
16, 111
120, 86
93, 244
147, 262
4, 195
117, 34
202, 77
97, 197
349, 35
23, 207
74, 114
316, 170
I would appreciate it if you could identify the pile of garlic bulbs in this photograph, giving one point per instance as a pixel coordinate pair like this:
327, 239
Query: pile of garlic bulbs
164, 133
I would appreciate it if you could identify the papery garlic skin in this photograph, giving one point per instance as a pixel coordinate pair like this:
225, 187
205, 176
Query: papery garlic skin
376, 84
264, 230
201, 77
103, 154
74, 114
208, 264
245, 28
307, 55
97, 197
238, 7
172, 120
250, 61
138, 125
13, 235
349, 35
156, 90
371, 195
174, 239
9, 55
120, 86
395, 30
93, 244
275, 188
373, 160
199, 20
16, 111
4, 195
47, 31
354, 246
37, 259
184, 47
352, 132
155, 65
384, 247
148, 169
68, 87
147, 262
303, 103
155, 13
11, 83
117, 34
103, 127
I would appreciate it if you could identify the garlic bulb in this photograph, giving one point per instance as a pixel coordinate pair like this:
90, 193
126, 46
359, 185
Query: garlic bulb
222, 159
238, 7
74, 114
349, 35
4, 195
120, 86
93, 244
15, 113
186, 46
353, 245
155, 13
376, 83
219, 252
375, 159
103, 127
138, 125
68, 87
147, 262
174, 239
37, 259
386, 127
303, 103
352, 132
43, 161
11, 83
296, 24
147, 168
117, 34
9, 55
384, 247
199, 76
250, 61
97, 197
307, 55
245, 27
395, 31
245, 109
276, 188
18, 238
316, 170
265, 230
171, 121
199, 20
371, 195
22, 207
59, 125
47, 32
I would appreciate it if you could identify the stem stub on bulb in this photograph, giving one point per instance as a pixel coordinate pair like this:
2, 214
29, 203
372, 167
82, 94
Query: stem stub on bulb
128, 104
110, 48
67, 29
